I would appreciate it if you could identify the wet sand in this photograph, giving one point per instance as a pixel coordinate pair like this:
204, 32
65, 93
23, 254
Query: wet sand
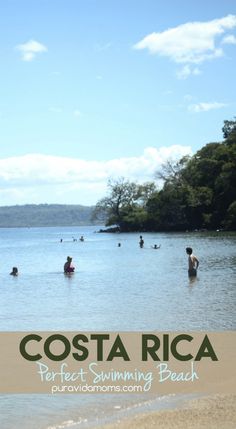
212, 412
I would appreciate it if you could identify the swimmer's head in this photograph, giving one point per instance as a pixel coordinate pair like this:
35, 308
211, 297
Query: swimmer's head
189, 250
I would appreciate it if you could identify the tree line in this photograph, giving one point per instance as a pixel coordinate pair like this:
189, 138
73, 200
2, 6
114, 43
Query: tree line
198, 192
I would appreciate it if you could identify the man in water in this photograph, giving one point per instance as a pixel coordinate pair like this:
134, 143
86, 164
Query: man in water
193, 262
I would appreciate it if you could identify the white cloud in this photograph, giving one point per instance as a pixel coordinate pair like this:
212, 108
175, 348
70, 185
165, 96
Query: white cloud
231, 39
77, 113
190, 43
186, 71
30, 49
205, 107
36, 178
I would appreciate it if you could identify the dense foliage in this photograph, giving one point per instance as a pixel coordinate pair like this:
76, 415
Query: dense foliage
198, 192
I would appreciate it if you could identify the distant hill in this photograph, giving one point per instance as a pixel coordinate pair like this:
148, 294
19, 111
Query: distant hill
31, 215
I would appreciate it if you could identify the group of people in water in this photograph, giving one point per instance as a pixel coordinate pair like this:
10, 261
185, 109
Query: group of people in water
141, 244
193, 262
74, 239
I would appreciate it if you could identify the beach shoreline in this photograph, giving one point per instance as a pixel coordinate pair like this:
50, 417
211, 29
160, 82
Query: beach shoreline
210, 412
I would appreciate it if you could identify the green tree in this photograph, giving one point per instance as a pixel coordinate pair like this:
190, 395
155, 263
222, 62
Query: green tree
125, 203
230, 221
229, 131
197, 192
171, 171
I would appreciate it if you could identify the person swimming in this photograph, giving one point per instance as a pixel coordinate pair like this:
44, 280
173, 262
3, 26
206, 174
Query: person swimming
82, 238
156, 246
14, 272
193, 262
68, 267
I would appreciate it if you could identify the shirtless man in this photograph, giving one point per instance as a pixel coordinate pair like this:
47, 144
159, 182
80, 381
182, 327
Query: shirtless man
193, 262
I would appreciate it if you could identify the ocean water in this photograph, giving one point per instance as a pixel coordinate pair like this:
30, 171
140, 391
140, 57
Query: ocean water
114, 288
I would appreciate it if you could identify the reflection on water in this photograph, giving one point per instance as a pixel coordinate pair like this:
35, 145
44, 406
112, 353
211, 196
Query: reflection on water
193, 280
113, 288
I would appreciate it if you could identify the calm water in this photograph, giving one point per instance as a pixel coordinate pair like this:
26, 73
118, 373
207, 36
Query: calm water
114, 288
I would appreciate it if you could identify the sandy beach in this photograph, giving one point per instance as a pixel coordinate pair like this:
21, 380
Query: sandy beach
213, 412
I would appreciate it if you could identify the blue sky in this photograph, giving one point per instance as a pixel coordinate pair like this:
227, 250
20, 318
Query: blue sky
94, 89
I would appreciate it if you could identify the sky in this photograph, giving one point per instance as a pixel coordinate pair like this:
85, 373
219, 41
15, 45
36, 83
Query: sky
99, 89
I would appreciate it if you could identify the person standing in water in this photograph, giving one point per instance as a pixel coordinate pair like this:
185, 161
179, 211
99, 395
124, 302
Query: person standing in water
193, 262
141, 242
68, 267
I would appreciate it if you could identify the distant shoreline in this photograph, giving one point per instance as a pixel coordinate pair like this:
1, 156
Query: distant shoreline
46, 215
116, 230
50, 226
